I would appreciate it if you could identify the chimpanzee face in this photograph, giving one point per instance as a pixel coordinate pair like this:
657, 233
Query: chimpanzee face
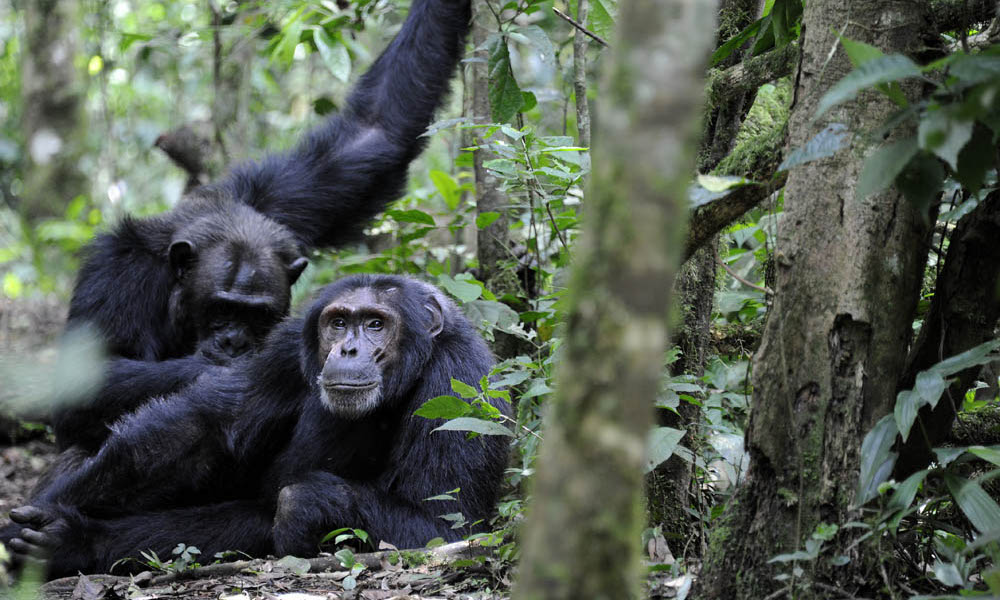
359, 341
234, 294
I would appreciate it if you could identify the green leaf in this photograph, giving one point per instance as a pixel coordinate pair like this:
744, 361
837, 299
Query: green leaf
973, 357
945, 456
411, 216
880, 70
485, 219
884, 165
944, 134
660, 445
447, 187
721, 183
905, 492
444, 407
536, 36
463, 290
335, 55
463, 389
877, 459
505, 95
731, 45
825, 143
476, 426
905, 411
601, 17
921, 181
299, 566
859, 52
495, 315
987, 453
974, 160
981, 510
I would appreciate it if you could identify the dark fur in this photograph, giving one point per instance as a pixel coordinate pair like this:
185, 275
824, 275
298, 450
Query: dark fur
320, 194
253, 461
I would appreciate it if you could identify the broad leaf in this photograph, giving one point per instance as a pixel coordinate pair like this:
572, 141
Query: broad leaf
463, 290
945, 134
447, 187
877, 459
411, 216
825, 143
987, 453
443, 407
982, 511
660, 445
463, 389
601, 17
880, 70
882, 167
735, 42
335, 55
905, 492
505, 95
476, 426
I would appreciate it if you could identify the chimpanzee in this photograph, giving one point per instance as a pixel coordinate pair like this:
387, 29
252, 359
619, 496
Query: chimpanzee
175, 293
314, 432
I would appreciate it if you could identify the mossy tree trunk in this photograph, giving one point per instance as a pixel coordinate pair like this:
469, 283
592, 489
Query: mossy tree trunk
848, 277
668, 486
53, 121
581, 538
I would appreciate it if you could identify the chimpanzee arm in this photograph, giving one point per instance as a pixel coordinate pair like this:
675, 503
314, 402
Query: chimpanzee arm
393, 507
127, 385
167, 450
347, 170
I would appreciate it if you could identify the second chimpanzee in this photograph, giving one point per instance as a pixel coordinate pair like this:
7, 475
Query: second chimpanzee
314, 433
174, 293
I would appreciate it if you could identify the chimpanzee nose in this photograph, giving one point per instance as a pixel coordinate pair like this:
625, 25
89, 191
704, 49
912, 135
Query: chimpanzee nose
234, 343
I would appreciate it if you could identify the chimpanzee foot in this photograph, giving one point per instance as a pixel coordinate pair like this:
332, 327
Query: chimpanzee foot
42, 531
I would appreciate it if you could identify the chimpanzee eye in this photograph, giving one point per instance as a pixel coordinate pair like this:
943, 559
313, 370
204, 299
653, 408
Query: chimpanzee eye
376, 324
338, 323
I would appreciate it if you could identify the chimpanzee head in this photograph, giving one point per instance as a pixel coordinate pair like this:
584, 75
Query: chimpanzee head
234, 271
368, 341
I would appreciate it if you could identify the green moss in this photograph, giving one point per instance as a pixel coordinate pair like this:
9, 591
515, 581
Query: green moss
761, 137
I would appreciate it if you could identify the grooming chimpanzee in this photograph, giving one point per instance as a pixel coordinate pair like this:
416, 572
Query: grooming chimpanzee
314, 432
173, 294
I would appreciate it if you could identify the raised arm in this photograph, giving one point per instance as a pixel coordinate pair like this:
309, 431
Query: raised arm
348, 169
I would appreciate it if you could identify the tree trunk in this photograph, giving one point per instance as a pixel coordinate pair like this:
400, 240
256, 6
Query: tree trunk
53, 121
668, 485
848, 277
581, 539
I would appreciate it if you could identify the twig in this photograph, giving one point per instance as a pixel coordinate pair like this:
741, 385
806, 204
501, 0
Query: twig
765, 289
524, 427
573, 22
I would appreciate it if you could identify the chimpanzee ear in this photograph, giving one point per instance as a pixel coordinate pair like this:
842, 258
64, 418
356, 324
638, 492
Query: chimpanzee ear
181, 257
433, 305
295, 269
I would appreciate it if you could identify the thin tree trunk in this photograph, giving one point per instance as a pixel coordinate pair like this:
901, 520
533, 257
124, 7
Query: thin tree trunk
53, 121
848, 276
581, 539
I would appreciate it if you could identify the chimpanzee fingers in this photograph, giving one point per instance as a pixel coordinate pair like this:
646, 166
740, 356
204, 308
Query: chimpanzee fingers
30, 515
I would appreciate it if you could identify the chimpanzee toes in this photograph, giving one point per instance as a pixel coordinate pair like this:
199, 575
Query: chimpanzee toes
32, 516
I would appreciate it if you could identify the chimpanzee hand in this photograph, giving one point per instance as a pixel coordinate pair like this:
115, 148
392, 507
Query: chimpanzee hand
309, 509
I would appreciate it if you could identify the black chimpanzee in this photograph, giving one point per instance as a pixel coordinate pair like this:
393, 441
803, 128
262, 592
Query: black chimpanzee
175, 293
314, 432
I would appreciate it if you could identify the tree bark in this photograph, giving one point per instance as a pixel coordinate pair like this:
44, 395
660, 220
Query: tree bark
848, 276
582, 531
53, 121
963, 314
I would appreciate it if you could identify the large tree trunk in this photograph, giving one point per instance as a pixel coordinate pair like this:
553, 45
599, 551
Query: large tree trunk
53, 122
848, 276
581, 539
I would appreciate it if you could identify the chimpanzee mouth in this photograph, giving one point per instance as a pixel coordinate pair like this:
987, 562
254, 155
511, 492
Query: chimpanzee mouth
351, 386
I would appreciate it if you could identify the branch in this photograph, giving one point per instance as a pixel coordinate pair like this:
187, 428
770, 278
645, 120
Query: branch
580, 27
750, 74
711, 218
